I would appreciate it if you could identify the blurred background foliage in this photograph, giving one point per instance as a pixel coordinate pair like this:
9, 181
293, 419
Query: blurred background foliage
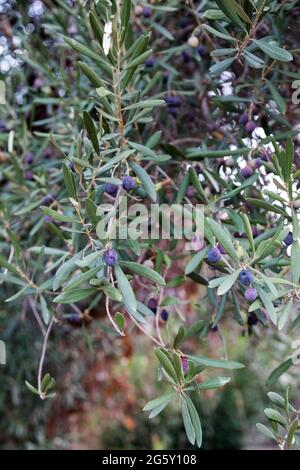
102, 378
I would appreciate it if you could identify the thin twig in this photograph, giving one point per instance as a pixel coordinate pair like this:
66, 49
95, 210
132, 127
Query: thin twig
161, 294
36, 315
11, 255
223, 343
145, 332
42, 359
111, 318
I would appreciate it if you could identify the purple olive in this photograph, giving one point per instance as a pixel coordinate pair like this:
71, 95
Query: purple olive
166, 76
251, 294
190, 192
202, 50
164, 315
221, 249
47, 153
29, 158
147, 12
240, 235
128, 183
252, 319
110, 257
48, 199
186, 57
173, 101
185, 364
244, 118
250, 126
75, 319
152, 304
246, 277
265, 155
288, 239
258, 162
29, 175
214, 255
150, 62
247, 171
111, 189
172, 111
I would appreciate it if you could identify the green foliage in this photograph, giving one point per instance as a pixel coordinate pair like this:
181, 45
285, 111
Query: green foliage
283, 422
125, 94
